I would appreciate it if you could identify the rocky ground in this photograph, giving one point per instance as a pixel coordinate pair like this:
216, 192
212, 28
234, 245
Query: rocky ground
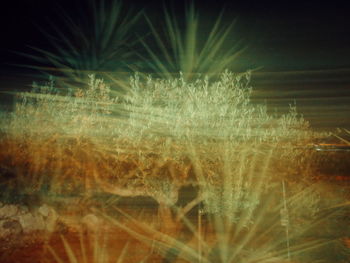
25, 230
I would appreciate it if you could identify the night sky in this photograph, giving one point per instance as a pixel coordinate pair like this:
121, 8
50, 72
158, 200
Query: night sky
302, 47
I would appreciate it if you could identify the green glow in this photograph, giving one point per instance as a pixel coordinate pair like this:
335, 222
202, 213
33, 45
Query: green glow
187, 50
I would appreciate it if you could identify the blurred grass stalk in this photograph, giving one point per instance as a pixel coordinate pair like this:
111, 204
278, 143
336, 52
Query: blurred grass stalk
93, 249
98, 39
189, 48
241, 221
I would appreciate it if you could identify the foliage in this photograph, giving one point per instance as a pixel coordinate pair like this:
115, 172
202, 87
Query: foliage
158, 116
216, 109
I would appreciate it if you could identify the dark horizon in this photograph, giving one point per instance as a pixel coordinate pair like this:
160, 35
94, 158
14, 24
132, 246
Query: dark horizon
279, 37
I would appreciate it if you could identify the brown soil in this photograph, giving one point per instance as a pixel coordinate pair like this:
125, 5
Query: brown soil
80, 160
